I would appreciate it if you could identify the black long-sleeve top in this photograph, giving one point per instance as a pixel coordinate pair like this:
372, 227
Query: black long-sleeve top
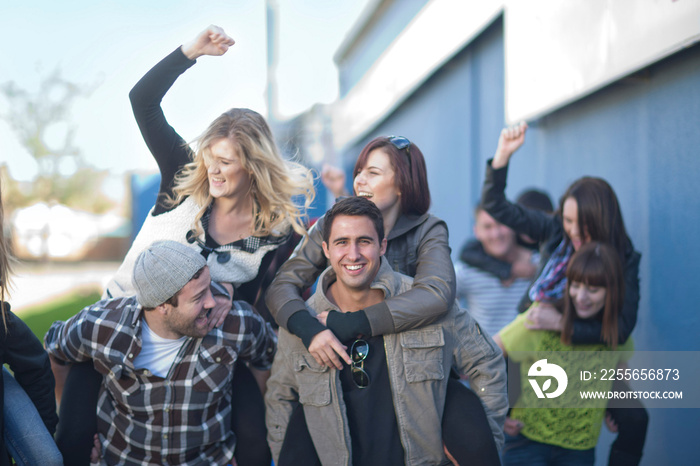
171, 153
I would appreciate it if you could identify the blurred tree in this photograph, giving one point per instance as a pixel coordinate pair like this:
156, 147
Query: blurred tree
12, 194
41, 121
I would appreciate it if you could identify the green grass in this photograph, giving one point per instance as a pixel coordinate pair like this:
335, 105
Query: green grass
39, 318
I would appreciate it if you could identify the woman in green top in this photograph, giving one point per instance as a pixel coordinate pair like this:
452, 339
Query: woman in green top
566, 435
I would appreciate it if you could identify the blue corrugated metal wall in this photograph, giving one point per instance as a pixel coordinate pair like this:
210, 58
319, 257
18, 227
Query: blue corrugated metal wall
144, 192
639, 133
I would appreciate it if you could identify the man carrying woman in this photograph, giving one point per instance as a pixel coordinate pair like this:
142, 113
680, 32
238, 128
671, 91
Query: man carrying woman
229, 199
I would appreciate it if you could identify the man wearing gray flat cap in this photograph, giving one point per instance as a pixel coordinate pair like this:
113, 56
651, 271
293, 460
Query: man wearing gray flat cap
166, 390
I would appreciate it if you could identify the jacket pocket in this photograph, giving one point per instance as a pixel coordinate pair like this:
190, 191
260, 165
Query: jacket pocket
423, 354
482, 342
214, 368
314, 380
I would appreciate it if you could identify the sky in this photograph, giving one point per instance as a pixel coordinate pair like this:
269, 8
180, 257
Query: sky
110, 44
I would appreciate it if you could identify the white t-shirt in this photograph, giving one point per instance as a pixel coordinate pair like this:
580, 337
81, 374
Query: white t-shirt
157, 353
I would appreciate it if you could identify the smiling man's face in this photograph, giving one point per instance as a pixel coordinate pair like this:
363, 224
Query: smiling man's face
354, 251
190, 317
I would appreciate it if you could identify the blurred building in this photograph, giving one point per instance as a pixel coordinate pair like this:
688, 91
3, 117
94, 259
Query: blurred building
306, 138
609, 89
59, 233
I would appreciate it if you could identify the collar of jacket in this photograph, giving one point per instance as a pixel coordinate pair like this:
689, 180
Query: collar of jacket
386, 280
406, 223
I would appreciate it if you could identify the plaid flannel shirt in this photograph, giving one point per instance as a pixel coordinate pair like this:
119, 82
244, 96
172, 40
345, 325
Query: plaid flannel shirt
184, 418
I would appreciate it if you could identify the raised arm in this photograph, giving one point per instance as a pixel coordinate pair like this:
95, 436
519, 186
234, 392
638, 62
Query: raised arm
536, 224
213, 41
510, 140
30, 363
167, 147
333, 178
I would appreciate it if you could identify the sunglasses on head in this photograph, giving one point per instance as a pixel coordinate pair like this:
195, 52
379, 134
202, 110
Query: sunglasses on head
358, 353
222, 257
402, 143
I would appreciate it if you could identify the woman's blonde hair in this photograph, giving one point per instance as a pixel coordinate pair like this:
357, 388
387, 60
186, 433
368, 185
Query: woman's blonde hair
274, 181
6, 262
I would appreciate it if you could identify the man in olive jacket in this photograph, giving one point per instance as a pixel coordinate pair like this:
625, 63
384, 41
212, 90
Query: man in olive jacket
387, 406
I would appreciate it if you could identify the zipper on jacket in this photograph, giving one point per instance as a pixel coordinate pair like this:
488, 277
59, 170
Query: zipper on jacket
339, 415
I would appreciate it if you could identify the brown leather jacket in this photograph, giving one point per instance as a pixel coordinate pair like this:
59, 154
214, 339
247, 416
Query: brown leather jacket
417, 246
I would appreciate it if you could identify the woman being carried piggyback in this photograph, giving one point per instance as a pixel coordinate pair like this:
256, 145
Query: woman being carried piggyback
234, 199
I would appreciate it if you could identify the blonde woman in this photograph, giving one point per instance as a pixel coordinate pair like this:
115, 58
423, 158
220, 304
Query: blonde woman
231, 199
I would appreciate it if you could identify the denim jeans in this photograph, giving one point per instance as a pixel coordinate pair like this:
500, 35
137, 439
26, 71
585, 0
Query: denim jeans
520, 450
26, 437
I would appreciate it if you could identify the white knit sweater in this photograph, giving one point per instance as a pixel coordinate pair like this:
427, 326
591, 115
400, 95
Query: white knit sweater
174, 225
